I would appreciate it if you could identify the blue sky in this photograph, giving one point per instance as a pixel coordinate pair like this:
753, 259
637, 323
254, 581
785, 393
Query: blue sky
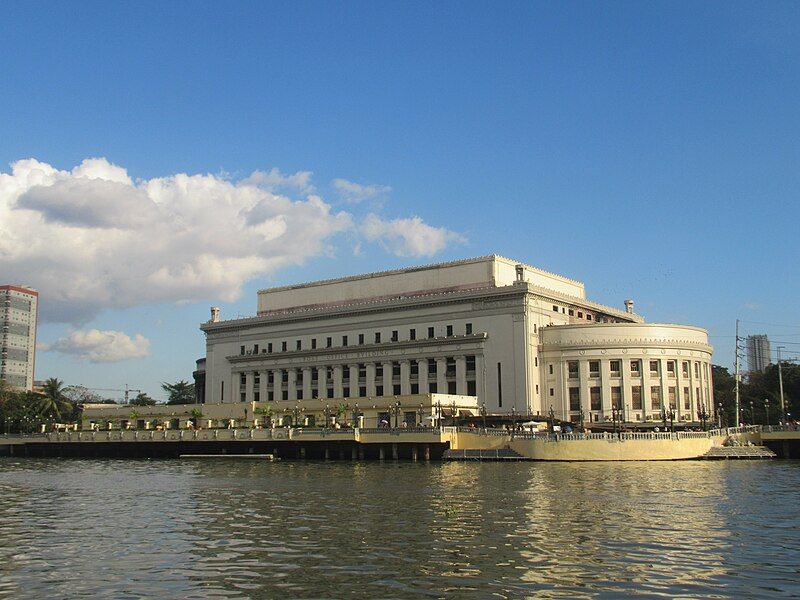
647, 149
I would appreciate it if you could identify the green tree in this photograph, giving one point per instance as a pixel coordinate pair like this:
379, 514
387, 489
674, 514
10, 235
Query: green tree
142, 399
51, 404
180, 392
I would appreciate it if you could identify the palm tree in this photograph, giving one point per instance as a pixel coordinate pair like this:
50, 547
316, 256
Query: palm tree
51, 402
267, 412
180, 392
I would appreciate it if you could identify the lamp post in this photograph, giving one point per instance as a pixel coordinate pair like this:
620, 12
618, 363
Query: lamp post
439, 413
672, 420
752, 414
766, 409
483, 415
327, 412
513, 421
421, 415
454, 408
551, 415
296, 416
784, 415
397, 414
581, 417
719, 415
355, 416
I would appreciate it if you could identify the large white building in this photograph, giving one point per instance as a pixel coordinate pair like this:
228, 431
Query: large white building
517, 337
18, 314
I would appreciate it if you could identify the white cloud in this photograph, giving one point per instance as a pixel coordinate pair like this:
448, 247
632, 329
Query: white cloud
91, 238
353, 193
101, 346
408, 237
274, 180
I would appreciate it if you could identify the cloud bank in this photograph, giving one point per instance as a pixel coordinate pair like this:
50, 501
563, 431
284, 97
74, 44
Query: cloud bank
353, 193
101, 346
91, 238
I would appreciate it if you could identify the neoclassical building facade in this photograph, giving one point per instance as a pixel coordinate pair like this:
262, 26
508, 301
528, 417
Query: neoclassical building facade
517, 338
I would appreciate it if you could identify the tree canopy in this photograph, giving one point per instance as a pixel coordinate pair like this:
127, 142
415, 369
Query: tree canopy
180, 392
759, 392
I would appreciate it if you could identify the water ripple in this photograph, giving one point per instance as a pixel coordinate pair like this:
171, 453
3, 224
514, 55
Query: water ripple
226, 529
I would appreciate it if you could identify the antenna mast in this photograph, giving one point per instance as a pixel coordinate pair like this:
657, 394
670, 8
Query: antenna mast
736, 414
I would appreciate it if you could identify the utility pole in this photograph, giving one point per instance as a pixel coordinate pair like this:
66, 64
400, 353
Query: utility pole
780, 386
736, 412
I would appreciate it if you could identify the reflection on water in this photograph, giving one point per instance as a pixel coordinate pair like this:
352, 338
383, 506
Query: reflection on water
128, 529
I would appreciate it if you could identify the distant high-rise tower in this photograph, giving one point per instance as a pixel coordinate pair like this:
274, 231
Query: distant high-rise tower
18, 312
758, 356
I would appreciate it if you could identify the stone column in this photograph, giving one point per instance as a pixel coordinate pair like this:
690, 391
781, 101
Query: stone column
388, 389
646, 383
354, 380
405, 377
262, 385
322, 381
679, 398
422, 375
441, 375
625, 385
605, 387
480, 381
277, 384
664, 380
371, 379
338, 391
306, 383
292, 384
249, 383
586, 396
461, 375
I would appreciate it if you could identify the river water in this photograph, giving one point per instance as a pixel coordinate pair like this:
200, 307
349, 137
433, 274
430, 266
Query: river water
247, 529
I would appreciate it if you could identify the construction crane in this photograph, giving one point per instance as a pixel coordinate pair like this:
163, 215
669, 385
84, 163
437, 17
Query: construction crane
127, 391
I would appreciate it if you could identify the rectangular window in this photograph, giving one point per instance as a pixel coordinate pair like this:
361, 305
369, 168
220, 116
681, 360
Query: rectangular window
379, 370
430, 332
414, 368
552, 392
344, 340
362, 392
653, 367
269, 347
284, 376
362, 370
283, 347
697, 369
594, 368
686, 399
255, 349
241, 350
412, 334
469, 328
616, 397
635, 367
685, 368
672, 393
571, 312
269, 377
346, 392
594, 395
396, 388
574, 398
655, 398
588, 317
299, 345
395, 369
636, 397
299, 394
471, 363
432, 366
499, 385
555, 308
451, 387
615, 367
313, 343
572, 369
379, 390
580, 314
394, 336
377, 337
551, 368
328, 342
670, 368
449, 331
360, 339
